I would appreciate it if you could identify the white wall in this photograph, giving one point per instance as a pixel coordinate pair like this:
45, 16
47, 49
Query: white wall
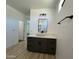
26, 26
34, 16
65, 32
13, 28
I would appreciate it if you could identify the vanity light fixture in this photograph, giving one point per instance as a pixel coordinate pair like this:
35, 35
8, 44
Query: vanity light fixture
43, 14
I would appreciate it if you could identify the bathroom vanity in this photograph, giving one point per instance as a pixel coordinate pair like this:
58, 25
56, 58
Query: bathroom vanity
41, 44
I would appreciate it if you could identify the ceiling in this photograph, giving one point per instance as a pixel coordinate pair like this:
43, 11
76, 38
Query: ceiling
24, 6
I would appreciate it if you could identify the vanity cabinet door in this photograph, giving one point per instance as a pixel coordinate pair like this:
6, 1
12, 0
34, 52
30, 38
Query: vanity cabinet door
43, 45
51, 46
32, 44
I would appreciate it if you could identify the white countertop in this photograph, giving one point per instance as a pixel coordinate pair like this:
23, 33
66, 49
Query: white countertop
43, 36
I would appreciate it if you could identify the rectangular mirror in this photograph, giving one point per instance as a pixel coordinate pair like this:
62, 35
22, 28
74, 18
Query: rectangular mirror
42, 25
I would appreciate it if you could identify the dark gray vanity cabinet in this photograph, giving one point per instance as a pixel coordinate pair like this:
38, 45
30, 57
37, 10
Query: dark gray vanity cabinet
42, 45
